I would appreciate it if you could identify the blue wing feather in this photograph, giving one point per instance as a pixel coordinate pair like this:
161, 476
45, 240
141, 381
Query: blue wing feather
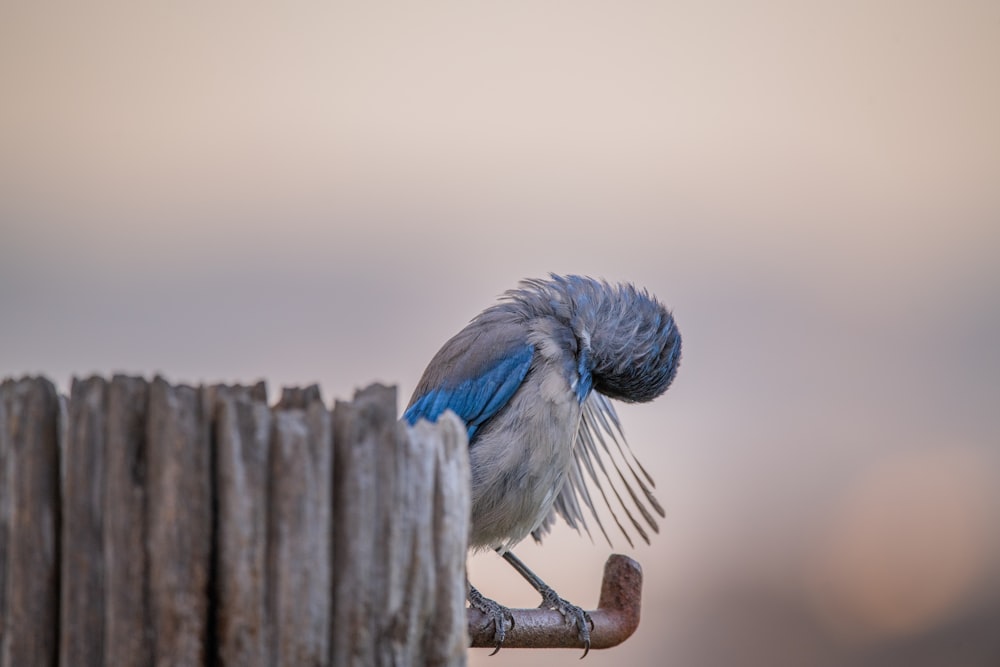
478, 398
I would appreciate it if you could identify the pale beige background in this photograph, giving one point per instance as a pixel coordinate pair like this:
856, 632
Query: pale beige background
325, 192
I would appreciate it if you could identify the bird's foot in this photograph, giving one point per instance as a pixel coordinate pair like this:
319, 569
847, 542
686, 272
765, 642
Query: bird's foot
499, 614
574, 615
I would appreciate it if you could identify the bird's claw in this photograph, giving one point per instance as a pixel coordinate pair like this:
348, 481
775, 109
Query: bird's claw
497, 613
573, 614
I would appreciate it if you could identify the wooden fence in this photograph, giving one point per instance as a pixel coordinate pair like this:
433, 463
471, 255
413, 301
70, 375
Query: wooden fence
143, 523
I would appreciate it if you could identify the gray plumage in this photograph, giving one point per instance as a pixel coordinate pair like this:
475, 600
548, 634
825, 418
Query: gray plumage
532, 376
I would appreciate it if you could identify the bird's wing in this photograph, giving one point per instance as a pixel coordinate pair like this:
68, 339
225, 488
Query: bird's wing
600, 441
475, 374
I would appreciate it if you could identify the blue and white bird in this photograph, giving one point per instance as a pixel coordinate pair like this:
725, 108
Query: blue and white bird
532, 376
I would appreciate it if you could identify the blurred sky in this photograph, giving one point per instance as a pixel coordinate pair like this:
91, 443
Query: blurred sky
324, 192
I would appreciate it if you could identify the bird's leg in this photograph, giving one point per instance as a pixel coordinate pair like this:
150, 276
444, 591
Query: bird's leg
500, 615
550, 600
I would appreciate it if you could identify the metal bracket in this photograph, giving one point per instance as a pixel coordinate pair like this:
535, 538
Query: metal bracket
615, 619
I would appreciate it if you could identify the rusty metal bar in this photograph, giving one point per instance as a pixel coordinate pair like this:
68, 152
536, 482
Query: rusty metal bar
615, 619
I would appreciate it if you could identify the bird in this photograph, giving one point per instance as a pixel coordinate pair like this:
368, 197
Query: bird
533, 377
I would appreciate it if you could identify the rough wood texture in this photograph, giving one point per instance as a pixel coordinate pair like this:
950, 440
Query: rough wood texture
361, 433
243, 440
29, 523
444, 637
299, 529
83, 566
199, 526
178, 477
399, 563
128, 625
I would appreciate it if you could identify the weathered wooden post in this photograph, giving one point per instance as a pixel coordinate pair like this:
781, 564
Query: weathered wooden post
243, 473
29, 522
200, 525
399, 560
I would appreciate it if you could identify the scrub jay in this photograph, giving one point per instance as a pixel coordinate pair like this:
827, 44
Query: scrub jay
532, 376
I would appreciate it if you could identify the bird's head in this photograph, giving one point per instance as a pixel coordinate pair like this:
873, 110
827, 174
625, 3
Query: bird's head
625, 338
